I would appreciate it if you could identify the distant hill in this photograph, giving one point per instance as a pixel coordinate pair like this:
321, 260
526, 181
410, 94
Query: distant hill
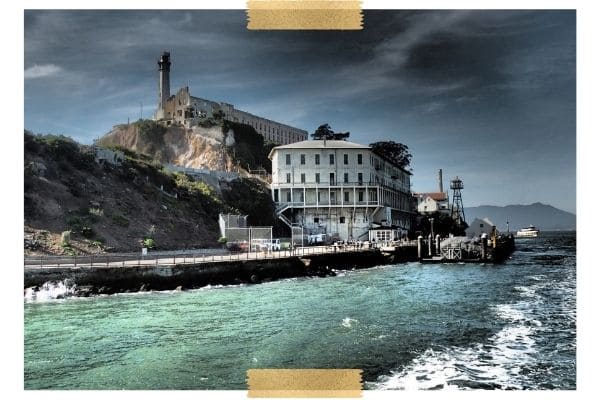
543, 216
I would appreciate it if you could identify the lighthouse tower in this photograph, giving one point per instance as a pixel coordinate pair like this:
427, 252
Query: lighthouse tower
164, 86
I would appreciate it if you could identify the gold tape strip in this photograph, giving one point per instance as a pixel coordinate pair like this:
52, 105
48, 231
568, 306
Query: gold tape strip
304, 15
304, 383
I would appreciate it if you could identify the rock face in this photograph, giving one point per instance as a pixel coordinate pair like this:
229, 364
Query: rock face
195, 147
109, 208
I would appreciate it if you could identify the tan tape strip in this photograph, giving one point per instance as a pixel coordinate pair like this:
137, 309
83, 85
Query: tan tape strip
304, 382
304, 15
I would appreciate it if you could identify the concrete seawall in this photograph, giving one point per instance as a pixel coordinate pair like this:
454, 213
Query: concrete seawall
89, 280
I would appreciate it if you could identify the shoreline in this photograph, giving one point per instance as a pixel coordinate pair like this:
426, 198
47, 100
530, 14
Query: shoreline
93, 280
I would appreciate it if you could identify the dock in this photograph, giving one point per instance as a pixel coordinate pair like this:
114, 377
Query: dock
466, 250
114, 273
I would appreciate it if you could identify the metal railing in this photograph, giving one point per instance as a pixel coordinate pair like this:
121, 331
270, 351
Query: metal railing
132, 260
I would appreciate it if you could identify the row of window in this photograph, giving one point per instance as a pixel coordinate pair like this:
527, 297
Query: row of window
288, 159
361, 197
288, 178
273, 133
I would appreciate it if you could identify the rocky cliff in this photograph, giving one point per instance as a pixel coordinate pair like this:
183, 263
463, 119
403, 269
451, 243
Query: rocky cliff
197, 147
116, 207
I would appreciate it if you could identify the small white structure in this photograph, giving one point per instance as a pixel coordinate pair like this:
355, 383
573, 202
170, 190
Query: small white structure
431, 202
227, 221
384, 234
480, 226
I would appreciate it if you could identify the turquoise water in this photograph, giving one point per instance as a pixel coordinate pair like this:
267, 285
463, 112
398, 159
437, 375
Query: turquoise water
409, 325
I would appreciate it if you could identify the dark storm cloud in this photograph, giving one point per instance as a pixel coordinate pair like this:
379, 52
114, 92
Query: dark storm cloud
479, 93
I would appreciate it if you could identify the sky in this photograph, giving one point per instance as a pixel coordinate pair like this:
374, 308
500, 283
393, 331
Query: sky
489, 96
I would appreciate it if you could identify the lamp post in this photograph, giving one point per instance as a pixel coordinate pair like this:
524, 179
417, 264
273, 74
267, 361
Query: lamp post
431, 221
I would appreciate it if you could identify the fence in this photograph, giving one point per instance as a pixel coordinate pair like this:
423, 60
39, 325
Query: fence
137, 260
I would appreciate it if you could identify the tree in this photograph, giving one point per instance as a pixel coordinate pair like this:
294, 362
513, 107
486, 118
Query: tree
324, 132
396, 153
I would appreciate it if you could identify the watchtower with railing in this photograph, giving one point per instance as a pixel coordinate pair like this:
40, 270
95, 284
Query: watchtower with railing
458, 211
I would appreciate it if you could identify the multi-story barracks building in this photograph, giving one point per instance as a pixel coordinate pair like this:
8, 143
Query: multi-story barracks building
339, 188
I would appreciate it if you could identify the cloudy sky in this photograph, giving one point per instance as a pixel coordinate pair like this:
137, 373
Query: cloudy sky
485, 95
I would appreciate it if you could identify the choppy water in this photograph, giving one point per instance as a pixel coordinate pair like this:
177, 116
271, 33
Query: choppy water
510, 326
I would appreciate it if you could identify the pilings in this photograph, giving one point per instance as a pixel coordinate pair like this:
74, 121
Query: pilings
484, 247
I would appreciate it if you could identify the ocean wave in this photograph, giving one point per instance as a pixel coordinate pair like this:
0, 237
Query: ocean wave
50, 291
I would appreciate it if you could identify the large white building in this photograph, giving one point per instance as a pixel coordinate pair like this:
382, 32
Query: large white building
187, 110
340, 188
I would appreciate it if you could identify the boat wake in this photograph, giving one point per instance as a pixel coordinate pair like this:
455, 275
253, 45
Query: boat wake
497, 363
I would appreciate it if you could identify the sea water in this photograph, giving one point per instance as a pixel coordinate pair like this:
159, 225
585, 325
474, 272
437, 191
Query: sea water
407, 326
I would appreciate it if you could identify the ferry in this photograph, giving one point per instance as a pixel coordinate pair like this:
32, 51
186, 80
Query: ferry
530, 231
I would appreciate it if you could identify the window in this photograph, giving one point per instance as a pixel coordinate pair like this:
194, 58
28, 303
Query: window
276, 196
360, 159
345, 177
302, 178
360, 179
288, 178
289, 197
347, 197
316, 220
288, 159
331, 159
345, 159
302, 159
342, 220
318, 178
360, 196
331, 178
317, 159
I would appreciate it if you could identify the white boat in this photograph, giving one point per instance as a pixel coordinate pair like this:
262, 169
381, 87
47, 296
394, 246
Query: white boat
530, 231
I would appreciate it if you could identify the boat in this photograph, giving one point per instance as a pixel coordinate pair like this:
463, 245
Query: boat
530, 231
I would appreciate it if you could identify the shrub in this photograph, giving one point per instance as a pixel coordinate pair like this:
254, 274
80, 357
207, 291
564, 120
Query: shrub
119, 219
149, 243
87, 232
65, 238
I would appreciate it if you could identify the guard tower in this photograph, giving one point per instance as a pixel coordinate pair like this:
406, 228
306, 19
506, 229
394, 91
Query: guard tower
458, 211
164, 86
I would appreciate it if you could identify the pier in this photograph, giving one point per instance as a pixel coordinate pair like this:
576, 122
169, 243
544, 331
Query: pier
466, 250
114, 273
103, 274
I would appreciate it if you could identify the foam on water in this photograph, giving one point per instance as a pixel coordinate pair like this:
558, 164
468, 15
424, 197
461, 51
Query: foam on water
50, 291
495, 363
349, 322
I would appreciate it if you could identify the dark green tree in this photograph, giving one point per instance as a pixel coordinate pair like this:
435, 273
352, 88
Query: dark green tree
324, 132
394, 152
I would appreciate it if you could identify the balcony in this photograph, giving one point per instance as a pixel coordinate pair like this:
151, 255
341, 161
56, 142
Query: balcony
336, 203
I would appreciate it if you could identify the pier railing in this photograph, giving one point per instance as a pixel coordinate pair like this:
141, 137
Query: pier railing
188, 257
